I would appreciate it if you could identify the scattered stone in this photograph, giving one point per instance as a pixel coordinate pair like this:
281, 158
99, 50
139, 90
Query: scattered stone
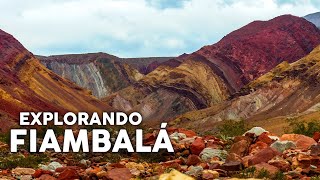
208, 153
283, 145
280, 163
302, 141
257, 131
263, 155
265, 138
194, 171
265, 166
51, 167
68, 174
119, 174
46, 177
193, 160
197, 146
316, 136
232, 166
40, 172
26, 177
177, 136
23, 171
210, 174
240, 148
315, 150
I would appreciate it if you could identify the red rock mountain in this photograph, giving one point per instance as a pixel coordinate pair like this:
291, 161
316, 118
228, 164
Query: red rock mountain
214, 73
26, 85
253, 50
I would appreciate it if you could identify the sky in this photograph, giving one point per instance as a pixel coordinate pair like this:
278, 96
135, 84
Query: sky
135, 28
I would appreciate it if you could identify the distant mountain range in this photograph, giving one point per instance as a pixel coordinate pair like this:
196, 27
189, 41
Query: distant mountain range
247, 74
314, 18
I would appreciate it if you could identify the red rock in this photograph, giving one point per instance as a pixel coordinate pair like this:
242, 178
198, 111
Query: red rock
316, 136
119, 174
193, 160
68, 174
188, 133
263, 155
250, 47
233, 157
40, 172
280, 163
46, 177
254, 148
315, 150
197, 146
271, 169
60, 169
265, 138
149, 139
240, 148
232, 166
302, 142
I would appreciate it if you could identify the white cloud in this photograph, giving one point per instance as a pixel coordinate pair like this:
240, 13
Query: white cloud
133, 27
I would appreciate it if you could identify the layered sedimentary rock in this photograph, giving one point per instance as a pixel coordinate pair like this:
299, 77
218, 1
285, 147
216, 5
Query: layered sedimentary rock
26, 85
101, 73
211, 75
287, 91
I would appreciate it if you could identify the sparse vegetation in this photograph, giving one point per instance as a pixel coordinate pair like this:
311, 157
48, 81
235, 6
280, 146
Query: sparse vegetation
231, 128
305, 128
13, 160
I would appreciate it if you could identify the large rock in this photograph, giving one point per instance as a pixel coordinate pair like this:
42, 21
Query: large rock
257, 131
208, 153
267, 167
193, 160
23, 171
240, 148
68, 174
263, 155
197, 146
119, 174
283, 145
302, 142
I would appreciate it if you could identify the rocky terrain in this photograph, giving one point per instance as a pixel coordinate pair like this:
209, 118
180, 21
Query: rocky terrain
255, 154
101, 73
212, 75
26, 85
314, 18
287, 91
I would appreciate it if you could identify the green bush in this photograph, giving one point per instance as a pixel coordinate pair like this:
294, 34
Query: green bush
231, 128
305, 128
10, 161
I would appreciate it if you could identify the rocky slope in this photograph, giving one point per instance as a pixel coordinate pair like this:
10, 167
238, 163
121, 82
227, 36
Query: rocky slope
101, 73
314, 18
26, 85
255, 154
288, 90
211, 75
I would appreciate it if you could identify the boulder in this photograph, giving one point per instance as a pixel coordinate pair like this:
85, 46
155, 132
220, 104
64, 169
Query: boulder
283, 145
193, 160
302, 141
23, 171
263, 155
197, 146
194, 171
265, 166
68, 174
208, 153
265, 138
240, 148
257, 131
119, 174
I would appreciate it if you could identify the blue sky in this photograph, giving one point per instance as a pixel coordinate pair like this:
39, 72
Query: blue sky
135, 28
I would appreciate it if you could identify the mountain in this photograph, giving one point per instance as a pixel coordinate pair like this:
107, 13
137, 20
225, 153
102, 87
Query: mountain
26, 85
101, 73
314, 18
287, 91
211, 75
